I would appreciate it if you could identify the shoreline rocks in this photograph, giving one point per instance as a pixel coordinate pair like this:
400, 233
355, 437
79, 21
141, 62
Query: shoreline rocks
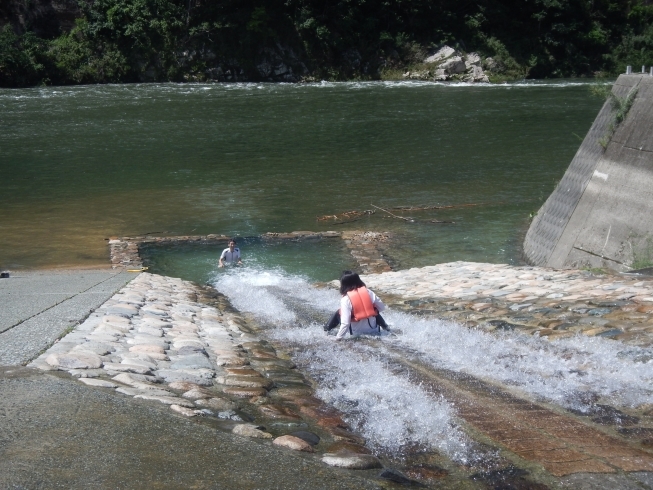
168, 341
447, 64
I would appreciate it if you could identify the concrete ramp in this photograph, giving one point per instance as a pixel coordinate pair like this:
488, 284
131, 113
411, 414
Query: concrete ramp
601, 212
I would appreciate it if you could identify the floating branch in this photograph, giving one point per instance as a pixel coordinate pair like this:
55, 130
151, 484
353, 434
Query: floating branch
410, 220
427, 208
345, 217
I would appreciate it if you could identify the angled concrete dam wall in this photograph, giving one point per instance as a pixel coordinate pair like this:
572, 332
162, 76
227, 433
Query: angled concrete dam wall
601, 212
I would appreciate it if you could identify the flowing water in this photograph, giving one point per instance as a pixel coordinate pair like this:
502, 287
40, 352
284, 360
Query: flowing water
80, 164
397, 414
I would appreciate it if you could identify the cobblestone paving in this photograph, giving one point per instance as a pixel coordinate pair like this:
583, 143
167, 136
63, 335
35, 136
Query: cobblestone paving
538, 301
170, 341
367, 248
535, 300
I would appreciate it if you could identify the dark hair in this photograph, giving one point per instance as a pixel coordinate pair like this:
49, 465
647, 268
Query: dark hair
350, 281
232, 240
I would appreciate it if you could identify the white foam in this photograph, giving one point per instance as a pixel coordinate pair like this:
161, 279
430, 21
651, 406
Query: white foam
159, 90
392, 412
564, 371
387, 409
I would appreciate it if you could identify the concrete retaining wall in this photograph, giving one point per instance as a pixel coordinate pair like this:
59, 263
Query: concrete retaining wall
601, 212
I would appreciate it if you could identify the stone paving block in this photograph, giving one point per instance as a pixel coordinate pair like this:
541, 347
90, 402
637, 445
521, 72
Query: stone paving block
541, 443
505, 434
633, 463
589, 481
580, 434
553, 456
616, 450
584, 466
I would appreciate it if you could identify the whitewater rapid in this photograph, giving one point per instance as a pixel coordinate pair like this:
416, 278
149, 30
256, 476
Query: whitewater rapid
392, 412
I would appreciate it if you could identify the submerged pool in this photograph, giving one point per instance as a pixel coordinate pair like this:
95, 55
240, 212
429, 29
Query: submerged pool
315, 260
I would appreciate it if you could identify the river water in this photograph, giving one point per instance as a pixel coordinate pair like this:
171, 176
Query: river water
80, 164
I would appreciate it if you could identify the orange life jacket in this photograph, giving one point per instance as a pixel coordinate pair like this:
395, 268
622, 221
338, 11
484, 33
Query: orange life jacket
362, 306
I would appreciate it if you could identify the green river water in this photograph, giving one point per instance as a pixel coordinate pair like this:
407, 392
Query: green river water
80, 164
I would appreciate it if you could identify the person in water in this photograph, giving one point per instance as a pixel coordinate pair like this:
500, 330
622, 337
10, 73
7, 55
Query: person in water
230, 255
359, 309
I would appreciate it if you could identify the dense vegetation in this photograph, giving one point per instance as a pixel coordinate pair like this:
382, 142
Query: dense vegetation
157, 40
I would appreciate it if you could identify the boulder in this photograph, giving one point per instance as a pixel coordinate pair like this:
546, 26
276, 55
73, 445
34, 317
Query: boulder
152, 331
167, 400
99, 348
294, 443
454, 65
478, 75
126, 368
98, 382
183, 410
472, 59
309, 437
75, 360
193, 361
148, 348
183, 385
198, 394
135, 380
202, 377
140, 391
441, 75
122, 309
245, 392
251, 430
352, 461
244, 381
216, 404
442, 54
115, 319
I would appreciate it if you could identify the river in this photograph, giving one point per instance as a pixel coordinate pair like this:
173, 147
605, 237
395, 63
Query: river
80, 164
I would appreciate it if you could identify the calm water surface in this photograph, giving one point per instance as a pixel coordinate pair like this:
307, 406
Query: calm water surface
80, 164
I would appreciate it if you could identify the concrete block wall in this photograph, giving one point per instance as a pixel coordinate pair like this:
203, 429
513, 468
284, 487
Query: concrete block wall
601, 212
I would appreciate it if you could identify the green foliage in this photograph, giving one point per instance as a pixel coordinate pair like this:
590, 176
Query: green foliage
620, 106
158, 40
21, 62
595, 271
80, 60
601, 90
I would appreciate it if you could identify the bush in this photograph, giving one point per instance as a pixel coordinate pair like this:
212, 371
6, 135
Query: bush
21, 59
81, 60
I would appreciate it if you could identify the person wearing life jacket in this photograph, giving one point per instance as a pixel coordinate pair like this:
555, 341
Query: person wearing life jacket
359, 308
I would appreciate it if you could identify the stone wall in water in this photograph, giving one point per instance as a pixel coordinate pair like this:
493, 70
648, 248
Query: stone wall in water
601, 212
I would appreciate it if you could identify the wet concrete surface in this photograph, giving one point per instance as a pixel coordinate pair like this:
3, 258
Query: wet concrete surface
38, 306
57, 433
